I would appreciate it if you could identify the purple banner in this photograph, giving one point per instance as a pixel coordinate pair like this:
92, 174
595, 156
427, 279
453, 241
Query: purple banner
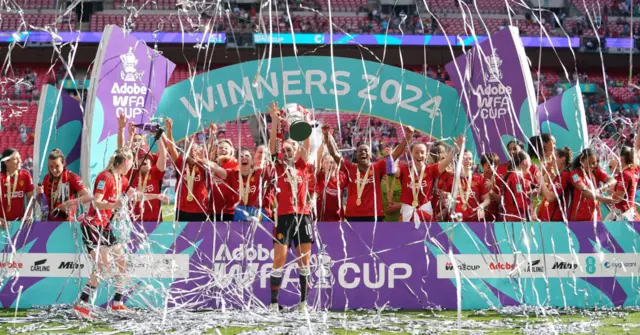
129, 79
496, 89
304, 38
358, 265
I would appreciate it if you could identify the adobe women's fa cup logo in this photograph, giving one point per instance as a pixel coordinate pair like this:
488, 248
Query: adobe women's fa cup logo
129, 71
493, 74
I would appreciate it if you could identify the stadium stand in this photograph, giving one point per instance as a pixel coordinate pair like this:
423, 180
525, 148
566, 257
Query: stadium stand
15, 22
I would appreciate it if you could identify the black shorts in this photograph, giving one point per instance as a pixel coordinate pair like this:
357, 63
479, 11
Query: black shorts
221, 217
191, 217
293, 228
94, 236
364, 218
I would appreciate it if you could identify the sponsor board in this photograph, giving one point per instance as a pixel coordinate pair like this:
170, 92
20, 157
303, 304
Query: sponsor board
540, 266
66, 265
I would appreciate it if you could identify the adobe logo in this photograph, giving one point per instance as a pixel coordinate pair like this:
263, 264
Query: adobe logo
501, 266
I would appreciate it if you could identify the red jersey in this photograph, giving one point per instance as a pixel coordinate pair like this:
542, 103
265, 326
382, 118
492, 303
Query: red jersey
18, 186
553, 210
198, 200
582, 209
223, 196
423, 185
299, 176
107, 185
148, 210
371, 197
255, 185
470, 196
492, 212
627, 182
440, 188
504, 168
515, 197
65, 188
329, 193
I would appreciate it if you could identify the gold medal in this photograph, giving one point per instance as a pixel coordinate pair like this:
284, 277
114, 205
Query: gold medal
415, 204
190, 198
359, 202
464, 207
546, 203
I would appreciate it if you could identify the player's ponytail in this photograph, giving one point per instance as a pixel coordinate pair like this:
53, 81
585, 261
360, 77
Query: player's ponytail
118, 158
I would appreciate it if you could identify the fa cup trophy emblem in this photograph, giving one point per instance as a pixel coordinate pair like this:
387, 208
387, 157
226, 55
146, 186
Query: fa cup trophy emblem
129, 72
493, 74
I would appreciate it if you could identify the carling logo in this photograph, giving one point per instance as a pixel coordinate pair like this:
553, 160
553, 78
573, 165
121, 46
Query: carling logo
129, 98
534, 266
38, 266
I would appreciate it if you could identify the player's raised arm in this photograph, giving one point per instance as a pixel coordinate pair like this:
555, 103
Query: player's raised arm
274, 112
122, 124
168, 137
442, 166
332, 148
408, 135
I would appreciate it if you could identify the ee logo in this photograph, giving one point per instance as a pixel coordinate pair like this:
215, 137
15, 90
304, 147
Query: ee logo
591, 265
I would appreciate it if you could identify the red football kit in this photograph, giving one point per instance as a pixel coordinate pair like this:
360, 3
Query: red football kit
110, 187
14, 194
419, 182
470, 194
364, 198
516, 199
300, 176
583, 209
60, 190
553, 210
151, 183
223, 196
251, 188
329, 193
440, 188
627, 182
192, 178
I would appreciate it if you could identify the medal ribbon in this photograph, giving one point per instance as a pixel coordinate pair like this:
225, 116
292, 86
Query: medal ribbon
245, 188
190, 178
360, 184
416, 188
142, 182
9, 190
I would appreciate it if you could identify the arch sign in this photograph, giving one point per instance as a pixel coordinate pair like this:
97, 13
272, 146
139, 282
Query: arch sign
315, 82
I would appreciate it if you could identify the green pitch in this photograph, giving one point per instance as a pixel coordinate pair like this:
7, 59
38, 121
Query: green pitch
409, 322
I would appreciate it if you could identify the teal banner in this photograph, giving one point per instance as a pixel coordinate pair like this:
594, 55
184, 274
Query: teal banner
586, 88
58, 126
564, 117
342, 84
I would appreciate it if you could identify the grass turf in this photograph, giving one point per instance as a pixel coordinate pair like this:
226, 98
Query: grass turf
620, 323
